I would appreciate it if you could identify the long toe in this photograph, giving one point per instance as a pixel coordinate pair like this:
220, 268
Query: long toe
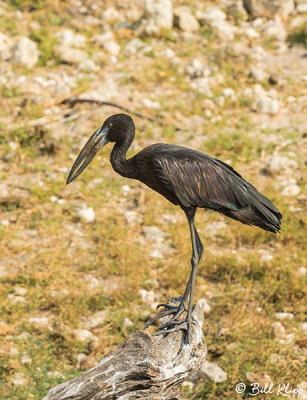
164, 313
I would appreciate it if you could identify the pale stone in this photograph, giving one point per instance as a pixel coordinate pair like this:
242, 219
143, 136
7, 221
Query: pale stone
25, 52
267, 105
6, 44
112, 47
269, 8
205, 305
69, 38
291, 190
147, 296
202, 85
284, 315
95, 320
40, 322
83, 335
87, 214
71, 55
213, 372
279, 330
159, 15
184, 20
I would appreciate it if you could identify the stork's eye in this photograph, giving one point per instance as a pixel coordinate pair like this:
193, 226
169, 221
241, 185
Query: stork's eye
110, 125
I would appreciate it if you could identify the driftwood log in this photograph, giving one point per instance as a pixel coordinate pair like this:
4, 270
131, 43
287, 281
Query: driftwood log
144, 367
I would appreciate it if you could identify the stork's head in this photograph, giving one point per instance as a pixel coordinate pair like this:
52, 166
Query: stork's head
113, 129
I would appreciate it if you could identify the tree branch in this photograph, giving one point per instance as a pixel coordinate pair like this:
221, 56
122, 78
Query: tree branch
144, 367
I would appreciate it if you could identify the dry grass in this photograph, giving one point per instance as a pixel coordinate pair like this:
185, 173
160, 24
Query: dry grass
71, 269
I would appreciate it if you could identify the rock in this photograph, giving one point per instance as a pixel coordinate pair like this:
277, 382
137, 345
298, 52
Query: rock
202, 85
94, 345
55, 374
70, 38
71, 55
147, 296
87, 66
5, 222
158, 16
214, 228
25, 359
196, 69
40, 322
275, 28
111, 47
265, 255
20, 291
188, 386
302, 271
216, 18
250, 33
283, 315
291, 190
184, 20
16, 299
111, 15
87, 363
83, 335
258, 73
154, 234
134, 45
151, 104
212, 371
156, 253
278, 329
95, 320
210, 15
87, 214
304, 328
302, 387
301, 6
19, 379
105, 92
25, 52
133, 217
229, 93
205, 305
127, 322
269, 8
6, 44
59, 293
277, 163
237, 10
267, 105
153, 283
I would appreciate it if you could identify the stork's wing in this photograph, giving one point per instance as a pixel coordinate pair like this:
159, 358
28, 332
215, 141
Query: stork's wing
201, 181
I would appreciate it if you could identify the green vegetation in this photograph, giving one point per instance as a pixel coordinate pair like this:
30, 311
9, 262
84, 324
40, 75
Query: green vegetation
68, 270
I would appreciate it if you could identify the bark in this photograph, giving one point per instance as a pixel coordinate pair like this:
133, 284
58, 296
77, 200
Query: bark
144, 367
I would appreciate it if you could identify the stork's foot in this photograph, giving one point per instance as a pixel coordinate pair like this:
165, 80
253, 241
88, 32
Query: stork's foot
169, 309
176, 325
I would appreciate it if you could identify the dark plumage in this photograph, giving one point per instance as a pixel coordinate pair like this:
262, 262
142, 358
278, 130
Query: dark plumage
187, 178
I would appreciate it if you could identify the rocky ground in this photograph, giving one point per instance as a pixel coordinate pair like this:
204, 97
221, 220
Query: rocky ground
82, 266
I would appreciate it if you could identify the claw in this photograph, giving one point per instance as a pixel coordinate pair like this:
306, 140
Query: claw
161, 315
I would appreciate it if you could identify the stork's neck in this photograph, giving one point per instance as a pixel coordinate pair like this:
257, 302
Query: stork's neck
118, 158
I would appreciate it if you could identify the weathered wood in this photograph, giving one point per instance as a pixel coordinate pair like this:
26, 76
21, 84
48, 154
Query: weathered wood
144, 367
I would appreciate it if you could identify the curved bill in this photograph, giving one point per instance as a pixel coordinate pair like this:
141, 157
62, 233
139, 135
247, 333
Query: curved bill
96, 142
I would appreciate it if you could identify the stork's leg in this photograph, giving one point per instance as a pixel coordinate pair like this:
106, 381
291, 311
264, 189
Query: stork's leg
197, 250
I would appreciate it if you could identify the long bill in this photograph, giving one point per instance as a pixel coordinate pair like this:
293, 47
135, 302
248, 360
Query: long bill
95, 143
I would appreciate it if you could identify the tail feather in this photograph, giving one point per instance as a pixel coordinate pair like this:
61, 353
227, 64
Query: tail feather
261, 212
